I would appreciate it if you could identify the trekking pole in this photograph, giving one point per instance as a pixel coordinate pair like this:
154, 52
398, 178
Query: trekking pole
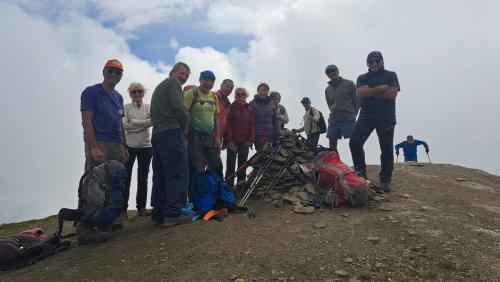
255, 158
428, 157
271, 186
267, 162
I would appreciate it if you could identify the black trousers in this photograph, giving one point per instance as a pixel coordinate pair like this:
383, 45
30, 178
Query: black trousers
312, 140
143, 156
242, 154
170, 174
385, 133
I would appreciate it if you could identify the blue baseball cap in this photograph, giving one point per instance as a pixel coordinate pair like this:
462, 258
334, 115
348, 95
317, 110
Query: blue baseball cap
207, 74
305, 100
374, 55
330, 69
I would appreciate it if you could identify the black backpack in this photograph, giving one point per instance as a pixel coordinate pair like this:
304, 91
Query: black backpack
321, 122
27, 247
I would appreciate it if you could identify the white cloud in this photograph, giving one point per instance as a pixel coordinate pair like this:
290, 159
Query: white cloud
173, 43
132, 14
445, 54
46, 67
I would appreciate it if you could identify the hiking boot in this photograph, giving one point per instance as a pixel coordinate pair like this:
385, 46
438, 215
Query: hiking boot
143, 212
384, 187
86, 234
182, 219
362, 174
124, 215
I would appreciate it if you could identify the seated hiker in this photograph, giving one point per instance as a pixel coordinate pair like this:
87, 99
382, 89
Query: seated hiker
410, 148
311, 120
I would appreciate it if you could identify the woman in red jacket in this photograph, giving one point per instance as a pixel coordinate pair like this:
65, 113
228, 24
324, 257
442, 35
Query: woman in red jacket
240, 133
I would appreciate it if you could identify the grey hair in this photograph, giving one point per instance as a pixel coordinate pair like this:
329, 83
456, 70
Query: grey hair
180, 64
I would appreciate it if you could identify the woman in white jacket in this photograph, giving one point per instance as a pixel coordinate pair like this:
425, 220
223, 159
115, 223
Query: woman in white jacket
137, 123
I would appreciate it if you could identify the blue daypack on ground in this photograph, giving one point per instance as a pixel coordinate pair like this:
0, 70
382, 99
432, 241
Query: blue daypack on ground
210, 192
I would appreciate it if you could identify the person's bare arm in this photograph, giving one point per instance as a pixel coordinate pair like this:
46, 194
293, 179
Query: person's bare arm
89, 133
125, 149
217, 132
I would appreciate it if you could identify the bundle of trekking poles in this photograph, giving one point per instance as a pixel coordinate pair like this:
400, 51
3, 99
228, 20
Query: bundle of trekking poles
263, 160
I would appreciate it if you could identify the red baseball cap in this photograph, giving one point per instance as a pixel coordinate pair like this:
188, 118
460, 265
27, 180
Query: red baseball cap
113, 63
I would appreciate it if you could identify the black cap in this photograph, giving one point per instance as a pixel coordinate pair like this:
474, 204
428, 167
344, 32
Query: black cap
305, 100
330, 69
374, 55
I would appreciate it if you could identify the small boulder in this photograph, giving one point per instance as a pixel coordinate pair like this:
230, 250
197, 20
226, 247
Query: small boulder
303, 210
342, 273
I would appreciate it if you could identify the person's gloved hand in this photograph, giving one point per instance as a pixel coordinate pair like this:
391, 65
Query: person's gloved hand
427, 150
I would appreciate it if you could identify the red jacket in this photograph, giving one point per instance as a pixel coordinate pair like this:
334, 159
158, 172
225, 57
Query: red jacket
224, 110
241, 124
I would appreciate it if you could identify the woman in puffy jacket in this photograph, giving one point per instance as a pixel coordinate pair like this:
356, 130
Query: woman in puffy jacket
267, 124
240, 133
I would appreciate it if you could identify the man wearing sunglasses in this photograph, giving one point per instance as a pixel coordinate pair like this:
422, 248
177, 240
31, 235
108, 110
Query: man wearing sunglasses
377, 90
102, 112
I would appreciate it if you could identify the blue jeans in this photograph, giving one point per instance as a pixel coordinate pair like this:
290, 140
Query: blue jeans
385, 133
170, 174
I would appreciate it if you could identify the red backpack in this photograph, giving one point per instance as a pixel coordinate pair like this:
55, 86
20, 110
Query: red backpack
338, 183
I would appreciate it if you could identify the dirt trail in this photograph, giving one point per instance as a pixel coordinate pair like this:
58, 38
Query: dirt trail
432, 227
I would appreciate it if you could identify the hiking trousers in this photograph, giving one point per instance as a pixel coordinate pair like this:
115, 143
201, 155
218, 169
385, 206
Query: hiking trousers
385, 133
242, 154
143, 156
312, 140
170, 174
111, 151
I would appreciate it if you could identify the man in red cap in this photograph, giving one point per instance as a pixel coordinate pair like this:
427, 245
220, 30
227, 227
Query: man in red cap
102, 111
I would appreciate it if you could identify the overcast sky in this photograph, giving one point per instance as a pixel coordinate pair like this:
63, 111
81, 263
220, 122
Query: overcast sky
446, 55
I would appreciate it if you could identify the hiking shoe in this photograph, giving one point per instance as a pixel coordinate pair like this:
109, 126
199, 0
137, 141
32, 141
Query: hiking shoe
124, 215
182, 219
362, 174
143, 212
86, 234
384, 186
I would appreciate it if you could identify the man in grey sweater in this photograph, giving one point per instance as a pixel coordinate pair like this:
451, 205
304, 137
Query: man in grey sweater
341, 98
170, 163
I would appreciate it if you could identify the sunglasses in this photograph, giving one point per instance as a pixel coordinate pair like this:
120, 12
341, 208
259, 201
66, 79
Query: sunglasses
115, 71
240, 94
137, 91
374, 61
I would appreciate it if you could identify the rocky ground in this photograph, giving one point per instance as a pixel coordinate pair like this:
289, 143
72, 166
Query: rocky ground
442, 222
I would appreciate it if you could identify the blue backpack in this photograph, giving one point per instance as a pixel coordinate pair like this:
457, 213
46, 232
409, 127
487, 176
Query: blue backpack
210, 192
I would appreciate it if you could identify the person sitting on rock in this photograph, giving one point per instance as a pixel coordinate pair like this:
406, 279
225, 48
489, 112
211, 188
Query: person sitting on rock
410, 148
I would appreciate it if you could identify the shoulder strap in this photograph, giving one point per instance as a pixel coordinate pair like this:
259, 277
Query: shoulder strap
195, 98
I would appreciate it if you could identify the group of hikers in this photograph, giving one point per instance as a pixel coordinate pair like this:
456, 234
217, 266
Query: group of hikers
191, 125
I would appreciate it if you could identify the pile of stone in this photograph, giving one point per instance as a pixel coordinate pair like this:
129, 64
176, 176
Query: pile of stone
296, 186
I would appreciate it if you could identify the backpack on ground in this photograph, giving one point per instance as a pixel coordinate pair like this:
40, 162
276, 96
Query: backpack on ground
321, 122
338, 183
210, 192
27, 247
99, 196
